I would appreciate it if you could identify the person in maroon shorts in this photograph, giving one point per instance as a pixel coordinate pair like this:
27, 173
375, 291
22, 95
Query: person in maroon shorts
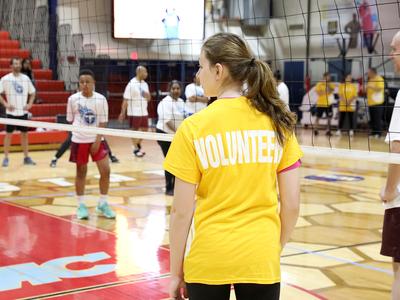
89, 109
136, 98
390, 193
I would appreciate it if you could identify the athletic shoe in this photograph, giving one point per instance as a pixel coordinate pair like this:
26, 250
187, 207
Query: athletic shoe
316, 132
338, 133
5, 162
351, 132
28, 161
82, 212
169, 192
138, 153
328, 133
105, 210
114, 159
53, 163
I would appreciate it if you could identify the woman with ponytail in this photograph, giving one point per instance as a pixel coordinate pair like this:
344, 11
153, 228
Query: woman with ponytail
226, 227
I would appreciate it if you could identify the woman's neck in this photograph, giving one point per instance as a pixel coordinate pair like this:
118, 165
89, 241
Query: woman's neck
231, 91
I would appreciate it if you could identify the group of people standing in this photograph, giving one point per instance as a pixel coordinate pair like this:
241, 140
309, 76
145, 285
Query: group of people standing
348, 92
171, 111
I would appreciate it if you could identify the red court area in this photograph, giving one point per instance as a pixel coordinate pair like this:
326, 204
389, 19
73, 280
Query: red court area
43, 256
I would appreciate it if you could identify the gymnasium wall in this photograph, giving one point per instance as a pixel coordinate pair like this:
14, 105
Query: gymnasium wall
87, 31
93, 19
323, 10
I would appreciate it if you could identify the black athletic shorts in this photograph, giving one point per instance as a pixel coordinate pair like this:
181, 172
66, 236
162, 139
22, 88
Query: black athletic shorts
11, 128
328, 111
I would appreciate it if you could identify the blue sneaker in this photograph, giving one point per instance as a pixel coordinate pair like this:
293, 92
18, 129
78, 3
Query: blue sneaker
28, 161
5, 163
105, 210
82, 212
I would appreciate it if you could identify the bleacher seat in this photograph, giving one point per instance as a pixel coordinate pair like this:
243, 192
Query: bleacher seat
45, 110
9, 53
51, 92
49, 85
38, 74
53, 97
4, 35
5, 63
9, 44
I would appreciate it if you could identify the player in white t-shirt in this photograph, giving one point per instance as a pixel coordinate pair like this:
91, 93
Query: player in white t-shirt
89, 109
20, 94
195, 99
136, 97
282, 88
171, 113
390, 194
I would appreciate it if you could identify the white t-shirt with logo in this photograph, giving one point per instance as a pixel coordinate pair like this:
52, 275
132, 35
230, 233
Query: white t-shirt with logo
283, 92
84, 112
194, 90
170, 110
394, 128
137, 104
17, 90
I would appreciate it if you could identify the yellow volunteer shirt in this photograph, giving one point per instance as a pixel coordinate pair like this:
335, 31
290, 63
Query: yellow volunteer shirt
324, 93
230, 151
347, 91
376, 97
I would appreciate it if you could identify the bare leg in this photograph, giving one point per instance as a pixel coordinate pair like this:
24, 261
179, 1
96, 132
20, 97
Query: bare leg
24, 143
80, 179
396, 282
7, 142
104, 169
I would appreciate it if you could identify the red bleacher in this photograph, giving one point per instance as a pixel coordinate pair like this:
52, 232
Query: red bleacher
9, 44
5, 63
38, 74
53, 97
51, 93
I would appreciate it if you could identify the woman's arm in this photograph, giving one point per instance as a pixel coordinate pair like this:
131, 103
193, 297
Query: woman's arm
181, 218
171, 125
289, 193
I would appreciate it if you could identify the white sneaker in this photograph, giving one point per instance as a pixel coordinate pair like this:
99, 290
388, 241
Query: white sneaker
338, 133
351, 132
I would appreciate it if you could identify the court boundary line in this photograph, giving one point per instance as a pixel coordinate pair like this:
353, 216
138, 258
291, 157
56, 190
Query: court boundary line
96, 287
303, 251
310, 292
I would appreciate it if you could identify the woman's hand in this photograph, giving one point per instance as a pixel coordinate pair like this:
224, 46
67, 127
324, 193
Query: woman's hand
177, 288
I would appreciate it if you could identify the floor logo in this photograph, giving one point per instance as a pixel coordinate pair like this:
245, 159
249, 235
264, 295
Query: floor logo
52, 271
334, 178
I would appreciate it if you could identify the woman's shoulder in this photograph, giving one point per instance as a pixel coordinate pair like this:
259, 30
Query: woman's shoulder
166, 99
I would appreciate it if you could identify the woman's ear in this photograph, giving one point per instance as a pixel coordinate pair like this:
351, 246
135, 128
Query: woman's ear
219, 71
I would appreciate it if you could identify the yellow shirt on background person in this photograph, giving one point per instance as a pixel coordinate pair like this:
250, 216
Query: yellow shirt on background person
324, 91
347, 91
230, 151
376, 97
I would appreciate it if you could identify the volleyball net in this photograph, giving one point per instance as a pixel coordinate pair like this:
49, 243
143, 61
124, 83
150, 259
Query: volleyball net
302, 41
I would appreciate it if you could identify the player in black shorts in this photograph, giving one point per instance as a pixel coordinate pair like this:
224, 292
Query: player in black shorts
20, 94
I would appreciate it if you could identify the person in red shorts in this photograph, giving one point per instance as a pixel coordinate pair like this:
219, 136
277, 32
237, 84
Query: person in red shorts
390, 193
89, 109
136, 98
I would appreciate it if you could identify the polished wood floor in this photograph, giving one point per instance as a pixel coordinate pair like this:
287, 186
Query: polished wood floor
334, 252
